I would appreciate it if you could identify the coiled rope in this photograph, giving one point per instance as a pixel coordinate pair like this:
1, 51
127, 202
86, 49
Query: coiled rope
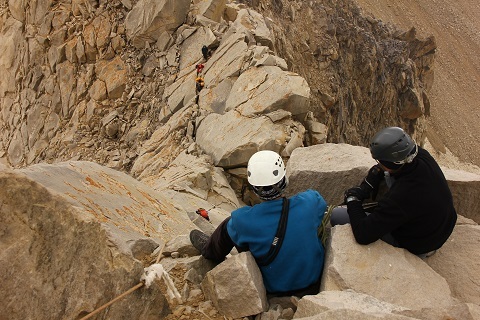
323, 232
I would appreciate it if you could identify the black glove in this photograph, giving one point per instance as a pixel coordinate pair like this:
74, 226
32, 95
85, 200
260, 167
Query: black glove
356, 192
372, 181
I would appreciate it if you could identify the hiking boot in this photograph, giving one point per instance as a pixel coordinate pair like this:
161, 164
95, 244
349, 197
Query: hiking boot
198, 239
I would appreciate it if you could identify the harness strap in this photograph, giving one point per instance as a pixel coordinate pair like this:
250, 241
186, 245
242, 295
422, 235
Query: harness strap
266, 259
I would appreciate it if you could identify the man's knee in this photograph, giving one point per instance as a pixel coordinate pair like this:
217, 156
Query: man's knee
339, 216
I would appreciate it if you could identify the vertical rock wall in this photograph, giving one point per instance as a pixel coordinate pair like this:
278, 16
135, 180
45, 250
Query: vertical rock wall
364, 74
85, 80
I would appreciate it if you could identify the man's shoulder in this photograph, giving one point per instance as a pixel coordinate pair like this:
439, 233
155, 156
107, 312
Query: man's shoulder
308, 194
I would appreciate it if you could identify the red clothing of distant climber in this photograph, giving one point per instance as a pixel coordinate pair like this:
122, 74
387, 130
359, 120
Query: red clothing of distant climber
199, 68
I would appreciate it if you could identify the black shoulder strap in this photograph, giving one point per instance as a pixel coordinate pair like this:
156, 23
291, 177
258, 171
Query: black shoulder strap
278, 239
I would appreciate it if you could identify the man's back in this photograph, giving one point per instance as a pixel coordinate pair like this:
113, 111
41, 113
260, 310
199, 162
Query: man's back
422, 195
300, 260
417, 210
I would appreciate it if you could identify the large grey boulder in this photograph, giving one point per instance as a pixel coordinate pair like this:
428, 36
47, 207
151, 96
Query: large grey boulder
67, 241
12, 42
348, 299
253, 23
264, 89
214, 97
127, 208
114, 74
163, 146
387, 273
236, 287
197, 175
465, 187
212, 9
180, 93
458, 261
231, 139
191, 47
343, 314
461, 311
227, 60
328, 168
150, 18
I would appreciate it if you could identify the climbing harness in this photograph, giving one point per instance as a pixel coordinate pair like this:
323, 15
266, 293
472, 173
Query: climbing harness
323, 232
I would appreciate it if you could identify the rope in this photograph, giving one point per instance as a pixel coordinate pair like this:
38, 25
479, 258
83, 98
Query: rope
132, 289
114, 300
322, 229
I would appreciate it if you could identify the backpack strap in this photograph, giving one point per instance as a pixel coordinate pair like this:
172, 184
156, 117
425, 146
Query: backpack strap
266, 259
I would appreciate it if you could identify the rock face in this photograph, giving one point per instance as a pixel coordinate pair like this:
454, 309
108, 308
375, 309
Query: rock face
81, 230
110, 85
387, 273
329, 168
103, 81
124, 206
348, 299
461, 246
54, 250
342, 54
465, 187
232, 139
148, 19
241, 274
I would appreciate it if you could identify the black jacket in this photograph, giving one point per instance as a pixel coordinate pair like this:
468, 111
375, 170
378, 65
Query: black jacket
417, 210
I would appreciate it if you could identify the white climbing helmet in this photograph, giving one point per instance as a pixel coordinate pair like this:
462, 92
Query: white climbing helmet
265, 168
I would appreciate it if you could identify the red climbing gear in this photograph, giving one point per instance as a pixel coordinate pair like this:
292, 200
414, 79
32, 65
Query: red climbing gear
204, 213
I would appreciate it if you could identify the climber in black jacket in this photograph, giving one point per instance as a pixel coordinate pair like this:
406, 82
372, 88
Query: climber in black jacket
416, 213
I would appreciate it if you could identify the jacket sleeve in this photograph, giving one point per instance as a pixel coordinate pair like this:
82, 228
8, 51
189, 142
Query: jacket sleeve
384, 219
357, 215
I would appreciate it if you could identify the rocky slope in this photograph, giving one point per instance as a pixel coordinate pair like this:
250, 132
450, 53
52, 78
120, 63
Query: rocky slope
453, 95
113, 82
76, 235
81, 85
456, 90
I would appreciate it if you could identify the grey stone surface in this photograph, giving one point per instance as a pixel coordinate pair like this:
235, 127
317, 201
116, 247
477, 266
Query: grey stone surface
457, 261
380, 270
149, 19
465, 187
347, 299
222, 286
55, 246
328, 168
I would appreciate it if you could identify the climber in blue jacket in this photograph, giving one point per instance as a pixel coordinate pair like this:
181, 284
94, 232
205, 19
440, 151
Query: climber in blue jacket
291, 262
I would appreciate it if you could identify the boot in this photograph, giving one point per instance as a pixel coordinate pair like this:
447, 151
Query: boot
198, 239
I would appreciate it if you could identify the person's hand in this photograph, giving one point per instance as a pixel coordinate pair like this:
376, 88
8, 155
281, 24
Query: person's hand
372, 181
356, 192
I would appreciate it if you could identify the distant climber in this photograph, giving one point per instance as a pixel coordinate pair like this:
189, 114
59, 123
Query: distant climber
205, 52
199, 67
199, 84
